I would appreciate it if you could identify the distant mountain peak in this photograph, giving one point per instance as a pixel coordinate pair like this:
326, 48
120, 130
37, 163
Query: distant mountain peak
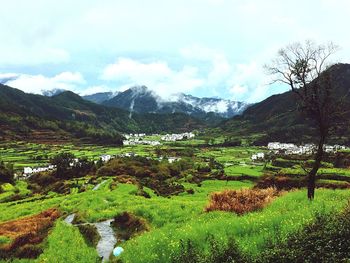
53, 92
141, 99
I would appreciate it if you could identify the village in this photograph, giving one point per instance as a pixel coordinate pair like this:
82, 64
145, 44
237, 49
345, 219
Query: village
278, 148
139, 139
274, 148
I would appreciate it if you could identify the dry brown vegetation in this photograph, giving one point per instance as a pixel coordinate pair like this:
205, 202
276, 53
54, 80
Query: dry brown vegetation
26, 232
241, 201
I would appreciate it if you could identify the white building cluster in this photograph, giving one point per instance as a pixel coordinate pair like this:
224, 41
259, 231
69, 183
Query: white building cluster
28, 171
138, 139
170, 159
306, 149
177, 137
134, 135
333, 148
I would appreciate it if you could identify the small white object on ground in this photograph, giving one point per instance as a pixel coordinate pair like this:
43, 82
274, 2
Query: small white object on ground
117, 251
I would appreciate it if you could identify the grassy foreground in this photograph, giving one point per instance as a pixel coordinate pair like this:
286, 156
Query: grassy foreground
177, 218
253, 231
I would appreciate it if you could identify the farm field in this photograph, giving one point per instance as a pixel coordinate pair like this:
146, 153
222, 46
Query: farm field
176, 223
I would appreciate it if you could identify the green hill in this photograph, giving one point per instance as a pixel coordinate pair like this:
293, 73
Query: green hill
277, 117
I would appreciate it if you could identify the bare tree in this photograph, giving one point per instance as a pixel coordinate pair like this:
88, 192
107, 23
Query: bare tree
304, 68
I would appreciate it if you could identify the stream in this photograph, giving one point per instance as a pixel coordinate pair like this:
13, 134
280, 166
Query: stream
96, 187
69, 219
108, 240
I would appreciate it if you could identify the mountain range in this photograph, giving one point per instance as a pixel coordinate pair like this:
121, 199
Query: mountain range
140, 99
67, 115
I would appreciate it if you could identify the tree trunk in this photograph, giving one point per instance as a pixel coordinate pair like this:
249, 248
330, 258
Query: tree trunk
311, 184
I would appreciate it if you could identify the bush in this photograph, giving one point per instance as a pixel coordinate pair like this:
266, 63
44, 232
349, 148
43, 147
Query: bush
6, 173
241, 201
29, 251
128, 225
90, 234
217, 252
325, 240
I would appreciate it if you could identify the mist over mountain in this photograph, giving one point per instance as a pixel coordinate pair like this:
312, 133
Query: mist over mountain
141, 99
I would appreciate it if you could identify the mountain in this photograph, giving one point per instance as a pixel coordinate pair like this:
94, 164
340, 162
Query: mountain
225, 108
67, 115
53, 92
140, 99
100, 96
277, 117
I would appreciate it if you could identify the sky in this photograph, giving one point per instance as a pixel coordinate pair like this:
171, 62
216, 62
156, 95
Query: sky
206, 48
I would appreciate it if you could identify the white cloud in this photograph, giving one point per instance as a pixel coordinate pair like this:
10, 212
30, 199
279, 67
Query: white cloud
38, 83
78, 38
238, 90
157, 76
220, 66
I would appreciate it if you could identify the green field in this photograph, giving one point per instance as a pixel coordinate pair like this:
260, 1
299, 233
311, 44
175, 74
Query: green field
172, 219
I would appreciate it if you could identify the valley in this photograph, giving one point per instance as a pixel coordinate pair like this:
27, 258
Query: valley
174, 131
164, 202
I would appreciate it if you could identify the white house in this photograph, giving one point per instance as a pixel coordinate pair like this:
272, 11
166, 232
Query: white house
173, 159
27, 170
105, 157
258, 156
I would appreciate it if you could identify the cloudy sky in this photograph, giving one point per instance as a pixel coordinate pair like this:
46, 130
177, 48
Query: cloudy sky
199, 47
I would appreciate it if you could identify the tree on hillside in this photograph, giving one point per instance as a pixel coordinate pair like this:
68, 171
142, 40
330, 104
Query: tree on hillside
6, 173
63, 163
304, 67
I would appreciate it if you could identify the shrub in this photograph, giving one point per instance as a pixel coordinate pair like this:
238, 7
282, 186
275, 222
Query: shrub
280, 182
128, 225
241, 201
90, 234
324, 240
28, 251
218, 252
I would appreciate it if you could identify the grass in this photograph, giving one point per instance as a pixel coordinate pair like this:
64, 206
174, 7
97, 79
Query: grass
66, 244
9, 191
104, 204
169, 220
252, 231
255, 171
4, 240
